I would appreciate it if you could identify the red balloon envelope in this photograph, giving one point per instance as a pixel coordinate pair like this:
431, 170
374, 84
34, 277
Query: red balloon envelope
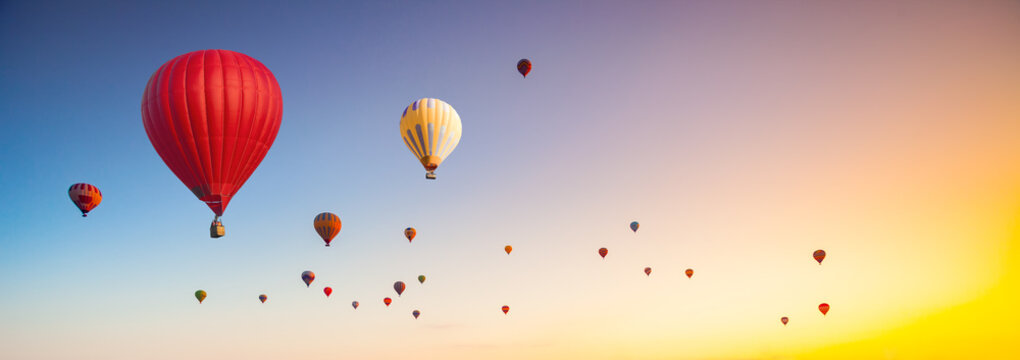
387, 301
603, 252
328, 290
824, 308
506, 309
212, 115
784, 320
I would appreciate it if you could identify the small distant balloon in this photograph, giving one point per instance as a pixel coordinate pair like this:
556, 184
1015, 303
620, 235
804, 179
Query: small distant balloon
603, 252
328, 290
824, 308
399, 287
263, 298
506, 309
387, 301
416, 313
409, 233
85, 196
421, 279
784, 320
328, 225
508, 249
308, 276
648, 271
689, 273
634, 225
524, 67
819, 255
355, 304
200, 295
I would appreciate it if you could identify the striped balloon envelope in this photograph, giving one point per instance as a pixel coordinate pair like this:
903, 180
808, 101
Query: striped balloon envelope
327, 224
431, 130
85, 196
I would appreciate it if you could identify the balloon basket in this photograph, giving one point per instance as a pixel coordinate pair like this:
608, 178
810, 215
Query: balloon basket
430, 175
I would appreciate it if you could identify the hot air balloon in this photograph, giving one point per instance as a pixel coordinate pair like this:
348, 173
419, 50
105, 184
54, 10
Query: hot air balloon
355, 305
603, 252
634, 225
410, 233
784, 320
416, 313
648, 271
328, 290
85, 196
399, 287
824, 308
819, 255
263, 298
421, 279
506, 309
308, 276
387, 301
689, 272
212, 115
200, 295
327, 224
524, 67
431, 130
508, 249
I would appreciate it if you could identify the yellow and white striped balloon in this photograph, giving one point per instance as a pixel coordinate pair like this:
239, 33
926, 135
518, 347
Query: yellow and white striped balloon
431, 130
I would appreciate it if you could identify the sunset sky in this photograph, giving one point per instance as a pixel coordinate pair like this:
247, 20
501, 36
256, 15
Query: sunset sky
742, 135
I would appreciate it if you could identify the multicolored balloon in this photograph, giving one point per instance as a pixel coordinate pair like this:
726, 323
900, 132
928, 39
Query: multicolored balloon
689, 273
506, 309
634, 225
399, 287
263, 298
524, 67
328, 225
212, 116
824, 308
648, 271
355, 304
508, 249
819, 255
387, 301
416, 313
200, 295
603, 252
328, 290
85, 196
431, 129
409, 233
421, 279
308, 276
784, 320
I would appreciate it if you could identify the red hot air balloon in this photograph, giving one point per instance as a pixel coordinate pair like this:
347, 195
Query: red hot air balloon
819, 255
409, 233
784, 320
689, 273
212, 115
387, 301
328, 225
824, 308
506, 309
399, 287
328, 290
508, 249
308, 276
85, 196
355, 305
524, 67
603, 252
648, 271
263, 298
416, 313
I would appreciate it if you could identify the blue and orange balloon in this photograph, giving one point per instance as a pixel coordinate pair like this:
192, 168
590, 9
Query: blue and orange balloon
328, 225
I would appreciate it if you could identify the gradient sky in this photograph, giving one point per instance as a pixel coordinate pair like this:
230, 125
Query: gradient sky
743, 135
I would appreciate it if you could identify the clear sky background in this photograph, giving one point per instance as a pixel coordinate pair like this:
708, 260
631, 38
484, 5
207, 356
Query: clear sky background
743, 135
